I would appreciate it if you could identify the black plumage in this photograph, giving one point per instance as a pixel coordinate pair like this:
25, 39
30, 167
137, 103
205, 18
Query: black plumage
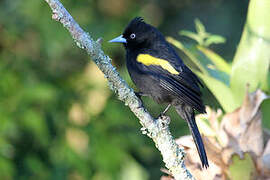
161, 74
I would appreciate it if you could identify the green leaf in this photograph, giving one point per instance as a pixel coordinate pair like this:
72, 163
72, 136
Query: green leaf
219, 75
242, 168
217, 81
250, 66
251, 62
191, 35
219, 62
204, 125
187, 51
199, 26
206, 60
220, 90
202, 61
214, 39
202, 37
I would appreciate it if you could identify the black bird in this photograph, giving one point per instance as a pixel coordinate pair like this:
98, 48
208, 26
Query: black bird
159, 72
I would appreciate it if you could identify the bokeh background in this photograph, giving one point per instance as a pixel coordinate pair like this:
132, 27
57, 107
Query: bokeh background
58, 117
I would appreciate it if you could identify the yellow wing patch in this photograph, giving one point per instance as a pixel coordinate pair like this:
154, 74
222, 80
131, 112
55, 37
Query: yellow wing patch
148, 60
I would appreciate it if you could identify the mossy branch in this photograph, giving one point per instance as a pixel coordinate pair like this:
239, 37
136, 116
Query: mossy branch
157, 129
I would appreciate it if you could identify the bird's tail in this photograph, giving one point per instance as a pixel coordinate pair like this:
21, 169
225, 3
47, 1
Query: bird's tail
187, 113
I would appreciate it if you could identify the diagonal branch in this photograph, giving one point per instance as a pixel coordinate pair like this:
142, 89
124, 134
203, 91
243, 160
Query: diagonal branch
157, 129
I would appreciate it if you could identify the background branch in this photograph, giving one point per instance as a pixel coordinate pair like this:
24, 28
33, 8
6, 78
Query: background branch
158, 129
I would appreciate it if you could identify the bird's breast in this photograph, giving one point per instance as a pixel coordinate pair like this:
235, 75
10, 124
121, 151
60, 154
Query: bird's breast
146, 82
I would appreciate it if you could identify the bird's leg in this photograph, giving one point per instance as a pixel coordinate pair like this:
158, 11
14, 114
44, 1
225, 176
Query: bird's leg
165, 111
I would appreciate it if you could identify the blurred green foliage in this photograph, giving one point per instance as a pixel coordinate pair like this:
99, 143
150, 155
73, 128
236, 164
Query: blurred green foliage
202, 37
58, 119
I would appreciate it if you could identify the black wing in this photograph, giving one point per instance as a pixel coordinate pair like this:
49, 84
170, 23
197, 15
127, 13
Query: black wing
184, 86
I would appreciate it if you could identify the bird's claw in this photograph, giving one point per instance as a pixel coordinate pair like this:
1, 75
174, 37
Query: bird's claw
165, 121
161, 116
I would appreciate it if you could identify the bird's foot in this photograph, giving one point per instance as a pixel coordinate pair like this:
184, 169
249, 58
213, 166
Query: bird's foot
164, 121
162, 114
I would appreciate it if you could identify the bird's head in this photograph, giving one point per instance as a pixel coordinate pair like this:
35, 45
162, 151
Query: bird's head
138, 34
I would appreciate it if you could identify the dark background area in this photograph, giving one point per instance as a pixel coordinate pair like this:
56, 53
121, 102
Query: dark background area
58, 118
